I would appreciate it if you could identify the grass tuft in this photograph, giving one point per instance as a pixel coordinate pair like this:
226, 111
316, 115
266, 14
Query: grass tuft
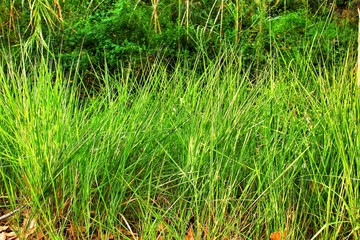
212, 149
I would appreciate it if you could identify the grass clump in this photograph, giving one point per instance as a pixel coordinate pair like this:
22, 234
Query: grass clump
215, 152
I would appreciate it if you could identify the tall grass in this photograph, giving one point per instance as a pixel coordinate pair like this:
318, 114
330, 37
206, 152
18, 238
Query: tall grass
217, 152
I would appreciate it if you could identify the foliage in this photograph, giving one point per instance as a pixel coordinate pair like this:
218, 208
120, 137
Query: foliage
106, 33
215, 155
289, 31
158, 119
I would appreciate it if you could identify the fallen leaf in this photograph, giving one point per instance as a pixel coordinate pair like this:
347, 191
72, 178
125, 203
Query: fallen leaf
279, 235
11, 236
71, 230
40, 235
2, 236
190, 234
3, 228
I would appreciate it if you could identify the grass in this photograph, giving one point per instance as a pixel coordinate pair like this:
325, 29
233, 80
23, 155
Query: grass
221, 152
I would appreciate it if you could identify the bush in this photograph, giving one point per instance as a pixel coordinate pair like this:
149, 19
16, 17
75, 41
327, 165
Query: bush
110, 31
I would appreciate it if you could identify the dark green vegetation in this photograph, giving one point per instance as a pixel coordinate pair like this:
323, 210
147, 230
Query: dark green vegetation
157, 119
110, 32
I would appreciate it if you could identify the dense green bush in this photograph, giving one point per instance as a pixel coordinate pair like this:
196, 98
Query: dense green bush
110, 32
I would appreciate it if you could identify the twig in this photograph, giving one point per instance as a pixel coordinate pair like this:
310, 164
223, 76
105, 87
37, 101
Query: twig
11, 213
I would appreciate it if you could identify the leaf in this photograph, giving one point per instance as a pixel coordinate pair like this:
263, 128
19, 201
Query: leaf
2, 236
190, 234
279, 235
40, 235
11, 236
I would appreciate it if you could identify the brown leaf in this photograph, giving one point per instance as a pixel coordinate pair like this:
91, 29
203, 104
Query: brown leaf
11, 236
190, 234
40, 235
279, 235
71, 230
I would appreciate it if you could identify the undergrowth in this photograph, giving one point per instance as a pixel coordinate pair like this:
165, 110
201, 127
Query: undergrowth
220, 152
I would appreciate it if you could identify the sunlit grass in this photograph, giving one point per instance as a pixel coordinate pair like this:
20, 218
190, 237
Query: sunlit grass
221, 151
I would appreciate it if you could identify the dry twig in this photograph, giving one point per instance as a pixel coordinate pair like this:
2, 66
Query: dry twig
11, 213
